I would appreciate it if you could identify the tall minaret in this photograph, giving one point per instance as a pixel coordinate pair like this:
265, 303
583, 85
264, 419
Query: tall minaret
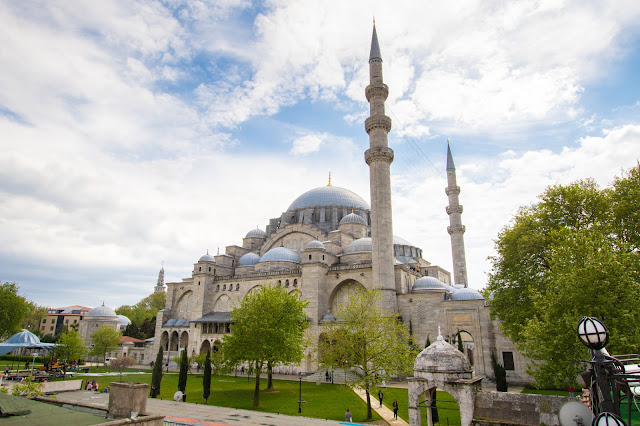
456, 228
160, 284
379, 157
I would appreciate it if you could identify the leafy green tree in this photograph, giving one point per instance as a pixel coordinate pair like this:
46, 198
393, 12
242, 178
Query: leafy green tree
369, 339
13, 309
143, 315
104, 339
156, 376
206, 379
33, 317
267, 328
569, 255
184, 369
70, 347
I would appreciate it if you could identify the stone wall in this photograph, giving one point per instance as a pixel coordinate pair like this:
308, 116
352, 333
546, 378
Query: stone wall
493, 408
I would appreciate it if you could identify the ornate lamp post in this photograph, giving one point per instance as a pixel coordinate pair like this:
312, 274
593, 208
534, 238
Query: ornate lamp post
594, 335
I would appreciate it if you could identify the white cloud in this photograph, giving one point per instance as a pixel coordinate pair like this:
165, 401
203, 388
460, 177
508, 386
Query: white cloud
308, 143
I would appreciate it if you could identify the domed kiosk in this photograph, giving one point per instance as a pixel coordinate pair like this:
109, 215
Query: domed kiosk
442, 366
97, 317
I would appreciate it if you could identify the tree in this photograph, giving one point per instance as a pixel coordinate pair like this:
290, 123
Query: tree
33, 317
369, 339
206, 379
267, 328
428, 343
13, 309
105, 339
574, 253
156, 376
459, 339
120, 364
500, 374
184, 369
70, 347
143, 315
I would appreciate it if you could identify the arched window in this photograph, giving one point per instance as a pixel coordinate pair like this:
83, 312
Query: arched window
295, 282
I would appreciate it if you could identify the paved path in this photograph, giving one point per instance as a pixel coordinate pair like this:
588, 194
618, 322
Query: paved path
202, 414
383, 411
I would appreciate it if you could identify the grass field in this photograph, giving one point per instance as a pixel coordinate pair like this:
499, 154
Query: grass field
448, 411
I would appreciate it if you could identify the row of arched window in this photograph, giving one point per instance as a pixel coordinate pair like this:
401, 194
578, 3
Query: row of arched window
224, 287
286, 283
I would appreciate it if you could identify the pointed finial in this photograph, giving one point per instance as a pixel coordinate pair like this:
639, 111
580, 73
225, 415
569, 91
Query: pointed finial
439, 338
218, 250
375, 47
207, 251
329, 184
351, 211
450, 164
374, 20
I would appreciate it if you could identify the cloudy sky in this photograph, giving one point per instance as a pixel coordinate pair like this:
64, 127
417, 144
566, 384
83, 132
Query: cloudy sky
137, 132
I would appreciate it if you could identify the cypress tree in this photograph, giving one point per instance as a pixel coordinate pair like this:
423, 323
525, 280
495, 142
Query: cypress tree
500, 374
156, 377
460, 347
184, 367
206, 379
426, 345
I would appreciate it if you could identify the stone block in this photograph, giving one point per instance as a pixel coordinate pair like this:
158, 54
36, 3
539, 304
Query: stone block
127, 397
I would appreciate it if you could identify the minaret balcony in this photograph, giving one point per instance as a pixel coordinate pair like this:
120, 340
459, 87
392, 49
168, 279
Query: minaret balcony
456, 229
452, 190
454, 209
378, 154
377, 121
377, 91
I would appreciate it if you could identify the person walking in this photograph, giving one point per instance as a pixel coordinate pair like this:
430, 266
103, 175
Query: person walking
571, 390
395, 409
380, 395
347, 416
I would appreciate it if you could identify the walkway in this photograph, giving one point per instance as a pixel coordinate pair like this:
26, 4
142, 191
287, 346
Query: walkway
383, 411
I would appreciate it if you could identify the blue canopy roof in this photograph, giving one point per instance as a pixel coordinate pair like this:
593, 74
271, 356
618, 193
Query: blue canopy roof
24, 339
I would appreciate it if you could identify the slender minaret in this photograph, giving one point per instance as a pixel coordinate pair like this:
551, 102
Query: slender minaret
160, 284
379, 157
456, 228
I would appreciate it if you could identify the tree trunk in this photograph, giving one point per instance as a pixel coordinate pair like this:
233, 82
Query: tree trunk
256, 391
269, 376
369, 414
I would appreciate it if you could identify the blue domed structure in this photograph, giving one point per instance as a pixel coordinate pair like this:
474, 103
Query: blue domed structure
124, 321
329, 196
429, 283
280, 254
249, 259
101, 311
207, 258
315, 245
353, 218
256, 233
466, 294
361, 245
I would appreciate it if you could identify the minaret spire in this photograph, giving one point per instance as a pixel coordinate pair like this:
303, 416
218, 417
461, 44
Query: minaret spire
379, 158
160, 284
456, 228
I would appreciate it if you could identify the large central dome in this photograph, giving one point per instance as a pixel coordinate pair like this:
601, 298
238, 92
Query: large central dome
329, 196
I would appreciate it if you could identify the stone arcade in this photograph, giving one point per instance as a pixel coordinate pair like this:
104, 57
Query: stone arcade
330, 242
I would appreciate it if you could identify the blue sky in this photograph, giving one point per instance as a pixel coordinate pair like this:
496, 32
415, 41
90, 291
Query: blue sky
140, 132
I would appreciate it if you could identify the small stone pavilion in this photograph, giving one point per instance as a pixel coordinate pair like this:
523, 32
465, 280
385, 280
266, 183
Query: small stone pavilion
442, 366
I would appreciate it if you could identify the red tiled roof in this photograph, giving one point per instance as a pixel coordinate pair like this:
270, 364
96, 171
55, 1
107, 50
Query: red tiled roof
130, 339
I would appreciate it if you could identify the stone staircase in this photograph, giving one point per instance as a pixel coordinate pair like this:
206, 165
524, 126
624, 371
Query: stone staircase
338, 376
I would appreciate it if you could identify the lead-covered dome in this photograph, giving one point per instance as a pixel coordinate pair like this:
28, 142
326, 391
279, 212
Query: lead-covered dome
207, 258
441, 357
248, 259
361, 245
101, 311
315, 244
124, 321
256, 233
353, 218
280, 254
429, 283
466, 294
329, 196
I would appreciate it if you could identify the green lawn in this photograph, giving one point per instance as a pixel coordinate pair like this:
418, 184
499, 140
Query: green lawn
448, 411
324, 401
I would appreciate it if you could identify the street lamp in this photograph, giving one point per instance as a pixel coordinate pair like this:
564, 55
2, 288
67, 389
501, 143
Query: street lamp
607, 419
593, 333
300, 396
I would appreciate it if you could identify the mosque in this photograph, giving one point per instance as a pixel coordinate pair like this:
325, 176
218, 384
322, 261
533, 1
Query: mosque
329, 242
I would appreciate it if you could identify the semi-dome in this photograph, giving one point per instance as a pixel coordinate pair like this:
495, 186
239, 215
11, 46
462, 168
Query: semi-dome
182, 322
399, 241
429, 283
124, 321
207, 258
248, 259
101, 311
315, 244
359, 246
256, 233
466, 294
280, 254
441, 357
329, 196
353, 218
170, 322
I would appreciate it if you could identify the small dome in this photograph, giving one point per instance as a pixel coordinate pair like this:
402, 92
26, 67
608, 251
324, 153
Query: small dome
124, 321
442, 357
361, 245
353, 218
280, 254
101, 311
249, 259
329, 196
315, 244
207, 258
256, 233
466, 294
429, 283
